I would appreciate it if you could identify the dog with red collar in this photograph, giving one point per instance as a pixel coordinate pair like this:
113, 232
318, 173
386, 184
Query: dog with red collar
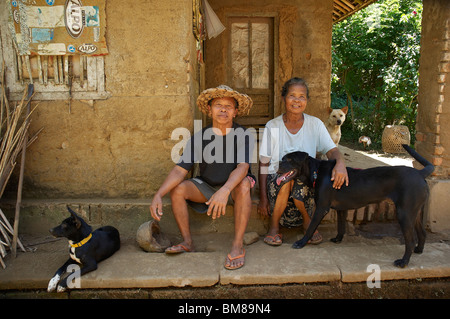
87, 248
405, 186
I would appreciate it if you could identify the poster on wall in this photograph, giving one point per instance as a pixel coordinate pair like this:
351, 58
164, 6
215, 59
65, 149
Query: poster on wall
58, 27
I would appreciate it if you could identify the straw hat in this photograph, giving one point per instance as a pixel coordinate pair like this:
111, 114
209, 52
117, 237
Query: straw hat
244, 101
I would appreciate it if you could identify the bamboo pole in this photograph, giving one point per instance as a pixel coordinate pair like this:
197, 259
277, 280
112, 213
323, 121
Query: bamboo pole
22, 168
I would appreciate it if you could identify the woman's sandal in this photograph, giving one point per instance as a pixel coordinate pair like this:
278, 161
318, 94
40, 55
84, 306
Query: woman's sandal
230, 259
316, 239
276, 240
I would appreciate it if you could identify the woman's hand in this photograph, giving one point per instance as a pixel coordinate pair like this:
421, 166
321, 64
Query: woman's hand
339, 174
263, 207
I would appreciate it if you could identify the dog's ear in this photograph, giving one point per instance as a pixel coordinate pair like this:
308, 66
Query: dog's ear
302, 160
330, 110
75, 216
294, 156
345, 109
304, 173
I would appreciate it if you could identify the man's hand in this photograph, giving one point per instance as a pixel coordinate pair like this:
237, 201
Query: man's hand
175, 177
218, 203
156, 207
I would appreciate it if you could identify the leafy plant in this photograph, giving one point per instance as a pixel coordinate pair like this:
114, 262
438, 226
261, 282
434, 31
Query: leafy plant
375, 64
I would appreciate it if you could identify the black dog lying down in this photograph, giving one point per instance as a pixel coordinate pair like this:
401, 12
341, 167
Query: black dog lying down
86, 247
405, 186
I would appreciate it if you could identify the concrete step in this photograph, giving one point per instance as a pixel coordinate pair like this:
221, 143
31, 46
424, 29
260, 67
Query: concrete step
37, 215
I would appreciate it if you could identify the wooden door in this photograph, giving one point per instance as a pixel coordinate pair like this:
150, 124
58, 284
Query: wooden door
250, 65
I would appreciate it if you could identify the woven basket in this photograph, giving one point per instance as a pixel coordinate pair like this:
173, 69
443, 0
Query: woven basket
393, 138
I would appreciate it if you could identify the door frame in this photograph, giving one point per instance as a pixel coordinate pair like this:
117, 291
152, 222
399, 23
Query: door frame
274, 15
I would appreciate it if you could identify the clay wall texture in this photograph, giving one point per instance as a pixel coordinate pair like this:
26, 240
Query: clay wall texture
433, 134
120, 147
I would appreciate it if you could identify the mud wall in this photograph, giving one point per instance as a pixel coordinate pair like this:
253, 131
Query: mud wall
121, 147
433, 132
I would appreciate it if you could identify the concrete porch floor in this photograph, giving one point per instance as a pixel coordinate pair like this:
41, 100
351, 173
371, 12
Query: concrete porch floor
327, 263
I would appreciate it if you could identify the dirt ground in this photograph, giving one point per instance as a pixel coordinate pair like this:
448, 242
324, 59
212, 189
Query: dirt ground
359, 158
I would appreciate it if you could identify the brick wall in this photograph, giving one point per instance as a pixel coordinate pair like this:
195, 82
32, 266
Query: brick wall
433, 135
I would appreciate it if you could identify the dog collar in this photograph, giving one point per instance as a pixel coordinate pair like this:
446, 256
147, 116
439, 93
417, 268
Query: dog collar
314, 178
81, 243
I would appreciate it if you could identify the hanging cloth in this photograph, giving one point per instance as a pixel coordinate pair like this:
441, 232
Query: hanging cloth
213, 25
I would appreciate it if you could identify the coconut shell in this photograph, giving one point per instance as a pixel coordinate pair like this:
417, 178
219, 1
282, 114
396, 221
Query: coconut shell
150, 238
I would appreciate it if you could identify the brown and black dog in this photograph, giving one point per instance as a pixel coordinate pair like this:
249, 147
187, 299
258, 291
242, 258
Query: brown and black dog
405, 186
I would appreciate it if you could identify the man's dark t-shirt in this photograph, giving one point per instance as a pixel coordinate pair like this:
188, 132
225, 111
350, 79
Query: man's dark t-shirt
218, 155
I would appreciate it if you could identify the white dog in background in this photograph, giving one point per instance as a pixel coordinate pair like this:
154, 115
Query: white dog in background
334, 121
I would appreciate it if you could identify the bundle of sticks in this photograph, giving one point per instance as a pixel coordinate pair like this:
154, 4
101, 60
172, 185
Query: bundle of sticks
14, 124
6, 238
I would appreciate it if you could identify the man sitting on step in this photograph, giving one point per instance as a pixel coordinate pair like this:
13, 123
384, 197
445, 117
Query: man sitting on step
223, 151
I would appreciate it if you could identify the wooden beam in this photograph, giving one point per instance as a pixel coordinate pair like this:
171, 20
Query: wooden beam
348, 4
340, 9
361, 5
338, 2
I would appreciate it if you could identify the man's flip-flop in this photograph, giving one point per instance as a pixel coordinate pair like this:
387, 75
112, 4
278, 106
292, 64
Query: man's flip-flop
276, 240
230, 259
177, 249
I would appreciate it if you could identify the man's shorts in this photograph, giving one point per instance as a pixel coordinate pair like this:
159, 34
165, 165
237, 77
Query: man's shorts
207, 191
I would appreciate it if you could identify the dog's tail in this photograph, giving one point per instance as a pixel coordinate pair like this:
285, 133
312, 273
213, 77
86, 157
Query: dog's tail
428, 168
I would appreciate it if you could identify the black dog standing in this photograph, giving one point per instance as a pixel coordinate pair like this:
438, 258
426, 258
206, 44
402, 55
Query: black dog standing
87, 248
405, 186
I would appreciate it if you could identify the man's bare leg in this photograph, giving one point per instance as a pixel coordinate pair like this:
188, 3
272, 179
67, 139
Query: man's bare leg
242, 209
186, 190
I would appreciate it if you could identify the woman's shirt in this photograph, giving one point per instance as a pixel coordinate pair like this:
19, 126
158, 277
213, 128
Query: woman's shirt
277, 141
